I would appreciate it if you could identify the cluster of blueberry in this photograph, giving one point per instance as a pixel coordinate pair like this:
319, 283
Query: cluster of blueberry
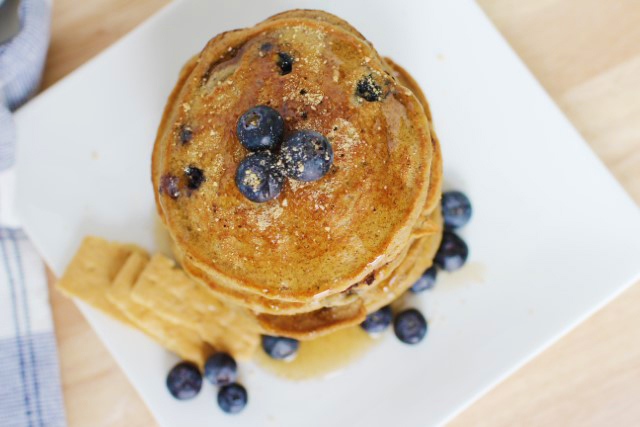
456, 212
185, 381
410, 325
303, 155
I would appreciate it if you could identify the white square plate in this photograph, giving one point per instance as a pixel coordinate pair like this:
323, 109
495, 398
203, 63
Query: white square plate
553, 235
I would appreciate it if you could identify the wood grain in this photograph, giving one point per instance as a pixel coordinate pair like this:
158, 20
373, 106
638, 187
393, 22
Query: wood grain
586, 53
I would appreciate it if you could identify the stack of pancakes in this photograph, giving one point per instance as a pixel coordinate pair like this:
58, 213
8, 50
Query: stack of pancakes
322, 254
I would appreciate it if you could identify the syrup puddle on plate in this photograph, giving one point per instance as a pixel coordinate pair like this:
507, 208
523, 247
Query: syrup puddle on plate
322, 356
470, 273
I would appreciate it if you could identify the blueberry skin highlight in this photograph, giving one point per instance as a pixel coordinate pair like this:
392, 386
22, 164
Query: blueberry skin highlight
185, 133
279, 347
220, 369
426, 281
184, 381
284, 61
232, 398
307, 155
452, 253
456, 209
194, 176
260, 128
259, 177
377, 321
410, 326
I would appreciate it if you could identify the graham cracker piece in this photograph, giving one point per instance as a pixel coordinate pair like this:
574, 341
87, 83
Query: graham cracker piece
177, 338
166, 290
91, 272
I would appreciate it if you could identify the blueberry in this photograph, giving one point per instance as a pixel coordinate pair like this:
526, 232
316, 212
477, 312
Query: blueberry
266, 47
285, 62
184, 381
259, 177
220, 369
452, 253
426, 281
371, 277
456, 209
377, 321
169, 186
232, 398
307, 155
194, 176
368, 89
279, 347
260, 128
185, 134
410, 326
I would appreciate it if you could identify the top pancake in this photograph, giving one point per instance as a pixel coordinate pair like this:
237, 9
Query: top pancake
316, 238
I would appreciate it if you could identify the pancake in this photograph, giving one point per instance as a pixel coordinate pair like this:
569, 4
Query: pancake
307, 326
419, 258
368, 298
261, 304
317, 238
394, 282
435, 178
424, 226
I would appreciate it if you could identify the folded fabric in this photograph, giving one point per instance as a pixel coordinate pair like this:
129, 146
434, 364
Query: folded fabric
7, 138
29, 379
21, 63
30, 392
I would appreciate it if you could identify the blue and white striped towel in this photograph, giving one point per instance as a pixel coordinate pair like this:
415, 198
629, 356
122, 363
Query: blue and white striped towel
30, 392
29, 379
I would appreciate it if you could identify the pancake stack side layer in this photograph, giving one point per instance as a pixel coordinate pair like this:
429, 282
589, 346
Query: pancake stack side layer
322, 254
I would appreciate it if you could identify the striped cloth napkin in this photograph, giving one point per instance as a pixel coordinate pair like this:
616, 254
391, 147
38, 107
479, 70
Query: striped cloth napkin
30, 392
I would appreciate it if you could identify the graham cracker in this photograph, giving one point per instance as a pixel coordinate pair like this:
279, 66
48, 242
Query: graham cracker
177, 338
166, 290
91, 272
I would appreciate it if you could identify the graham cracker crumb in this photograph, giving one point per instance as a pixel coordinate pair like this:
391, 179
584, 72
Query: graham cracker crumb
265, 218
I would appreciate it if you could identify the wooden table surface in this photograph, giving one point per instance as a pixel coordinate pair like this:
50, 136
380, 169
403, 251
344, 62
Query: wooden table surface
586, 53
